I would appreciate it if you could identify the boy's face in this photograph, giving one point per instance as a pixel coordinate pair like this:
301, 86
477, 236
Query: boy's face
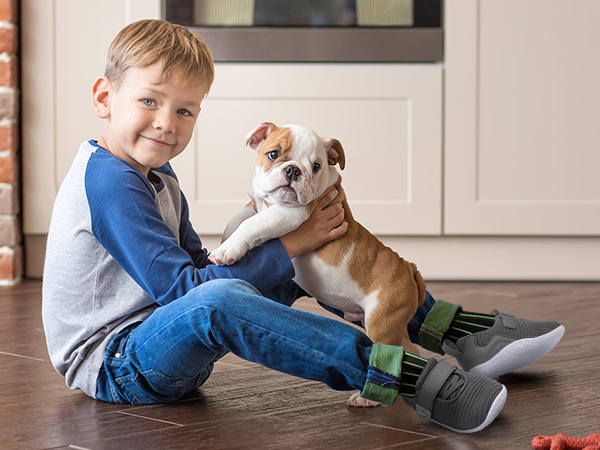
148, 123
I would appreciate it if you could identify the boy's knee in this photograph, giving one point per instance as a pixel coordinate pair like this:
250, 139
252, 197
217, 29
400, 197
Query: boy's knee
223, 291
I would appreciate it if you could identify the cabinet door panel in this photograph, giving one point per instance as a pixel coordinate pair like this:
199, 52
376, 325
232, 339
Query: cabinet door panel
390, 133
64, 50
522, 93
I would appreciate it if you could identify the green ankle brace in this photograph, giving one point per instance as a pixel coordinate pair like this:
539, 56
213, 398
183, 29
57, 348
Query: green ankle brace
436, 324
391, 372
383, 375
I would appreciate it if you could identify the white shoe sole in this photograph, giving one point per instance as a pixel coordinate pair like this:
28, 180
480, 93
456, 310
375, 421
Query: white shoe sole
519, 354
491, 415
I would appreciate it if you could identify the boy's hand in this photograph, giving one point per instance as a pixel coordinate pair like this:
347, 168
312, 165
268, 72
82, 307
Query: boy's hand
325, 224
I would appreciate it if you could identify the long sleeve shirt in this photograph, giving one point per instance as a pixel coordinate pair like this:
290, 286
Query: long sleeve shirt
121, 245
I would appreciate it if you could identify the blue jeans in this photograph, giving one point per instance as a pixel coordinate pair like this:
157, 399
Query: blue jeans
173, 351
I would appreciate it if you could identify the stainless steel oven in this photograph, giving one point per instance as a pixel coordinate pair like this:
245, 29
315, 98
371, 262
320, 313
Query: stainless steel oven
314, 30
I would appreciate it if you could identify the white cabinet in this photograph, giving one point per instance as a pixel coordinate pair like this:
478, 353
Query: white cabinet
387, 117
522, 149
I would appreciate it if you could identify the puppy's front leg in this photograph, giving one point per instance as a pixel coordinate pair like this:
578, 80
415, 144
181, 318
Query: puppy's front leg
244, 214
271, 223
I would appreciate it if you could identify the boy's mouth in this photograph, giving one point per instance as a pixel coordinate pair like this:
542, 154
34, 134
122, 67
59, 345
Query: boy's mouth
158, 141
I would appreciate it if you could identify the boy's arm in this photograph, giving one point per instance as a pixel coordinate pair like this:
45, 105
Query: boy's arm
125, 220
189, 239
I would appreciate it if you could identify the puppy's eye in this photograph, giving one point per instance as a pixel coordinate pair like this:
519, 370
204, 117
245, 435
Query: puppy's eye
316, 167
273, 155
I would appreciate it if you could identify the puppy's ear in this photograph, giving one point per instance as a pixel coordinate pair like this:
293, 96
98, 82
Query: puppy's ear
259, 134
335, 152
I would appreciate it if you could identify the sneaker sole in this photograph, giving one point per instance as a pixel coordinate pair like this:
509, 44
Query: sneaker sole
519, 354
493, 412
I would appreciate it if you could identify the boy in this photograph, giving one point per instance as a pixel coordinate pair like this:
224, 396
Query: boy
133, 311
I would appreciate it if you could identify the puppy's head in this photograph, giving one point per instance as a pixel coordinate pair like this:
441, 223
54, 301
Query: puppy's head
293, 164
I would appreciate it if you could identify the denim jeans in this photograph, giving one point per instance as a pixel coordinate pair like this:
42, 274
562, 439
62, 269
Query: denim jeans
173, 351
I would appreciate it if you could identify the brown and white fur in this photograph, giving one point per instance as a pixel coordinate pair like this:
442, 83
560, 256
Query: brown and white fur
355, 273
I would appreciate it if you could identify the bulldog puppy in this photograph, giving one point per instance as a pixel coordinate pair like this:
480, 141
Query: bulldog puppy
355, 273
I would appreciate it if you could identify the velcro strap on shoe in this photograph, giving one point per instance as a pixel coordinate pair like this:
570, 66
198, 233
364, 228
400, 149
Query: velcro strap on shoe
451, 349
508, 320
431, 387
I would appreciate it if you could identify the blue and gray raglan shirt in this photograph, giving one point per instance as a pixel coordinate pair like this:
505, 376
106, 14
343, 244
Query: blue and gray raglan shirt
121, 245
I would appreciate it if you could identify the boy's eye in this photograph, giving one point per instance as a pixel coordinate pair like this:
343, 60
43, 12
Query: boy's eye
273, 155
184, 112
148, 102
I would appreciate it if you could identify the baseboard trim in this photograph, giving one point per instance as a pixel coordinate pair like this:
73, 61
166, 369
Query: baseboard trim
454, 258
502, 258
447, 258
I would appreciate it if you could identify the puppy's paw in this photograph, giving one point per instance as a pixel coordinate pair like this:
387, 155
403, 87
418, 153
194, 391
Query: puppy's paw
357, 401
217, 259
227, 253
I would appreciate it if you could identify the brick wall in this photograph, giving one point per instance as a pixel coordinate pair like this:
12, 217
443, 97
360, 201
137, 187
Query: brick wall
11, 253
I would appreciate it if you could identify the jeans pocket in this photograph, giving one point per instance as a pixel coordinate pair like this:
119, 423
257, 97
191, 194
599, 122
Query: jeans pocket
150, 387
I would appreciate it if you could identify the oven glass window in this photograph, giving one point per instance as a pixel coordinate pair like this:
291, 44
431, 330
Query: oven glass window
304, 13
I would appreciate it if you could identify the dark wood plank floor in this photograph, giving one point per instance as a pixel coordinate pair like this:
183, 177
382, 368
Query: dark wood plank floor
245, 406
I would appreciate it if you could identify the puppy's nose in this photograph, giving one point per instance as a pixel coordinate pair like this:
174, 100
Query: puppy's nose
292, 173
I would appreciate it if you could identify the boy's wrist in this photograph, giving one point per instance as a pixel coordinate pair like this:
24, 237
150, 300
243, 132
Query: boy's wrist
290, 247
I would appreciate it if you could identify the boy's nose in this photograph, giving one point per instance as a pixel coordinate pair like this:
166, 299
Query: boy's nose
165, 122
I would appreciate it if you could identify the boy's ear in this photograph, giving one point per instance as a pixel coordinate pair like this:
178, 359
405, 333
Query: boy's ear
101, 91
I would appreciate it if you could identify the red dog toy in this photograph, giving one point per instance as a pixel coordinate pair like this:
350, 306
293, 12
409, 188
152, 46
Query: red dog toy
562, 442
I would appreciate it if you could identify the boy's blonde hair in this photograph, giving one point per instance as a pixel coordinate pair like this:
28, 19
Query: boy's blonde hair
146, 42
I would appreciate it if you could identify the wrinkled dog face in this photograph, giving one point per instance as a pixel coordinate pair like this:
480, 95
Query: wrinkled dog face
294, 165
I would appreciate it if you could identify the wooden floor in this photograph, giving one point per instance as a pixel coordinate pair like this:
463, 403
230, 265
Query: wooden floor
245, 406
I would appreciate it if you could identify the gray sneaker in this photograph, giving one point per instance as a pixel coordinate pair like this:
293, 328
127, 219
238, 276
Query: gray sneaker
508, 345
456, 400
